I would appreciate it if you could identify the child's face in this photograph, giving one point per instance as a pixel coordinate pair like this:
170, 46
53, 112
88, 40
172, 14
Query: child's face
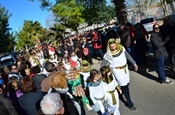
27, 72
15, 85
97, 77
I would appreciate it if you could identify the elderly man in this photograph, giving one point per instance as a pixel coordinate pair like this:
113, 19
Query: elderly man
116, 57
52, 104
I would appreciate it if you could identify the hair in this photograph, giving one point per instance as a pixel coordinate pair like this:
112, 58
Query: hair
49, 66
11, 87
93, 74
51, 103
23, 65
36, 69
58, 80
155, 25
104, 70
26, 85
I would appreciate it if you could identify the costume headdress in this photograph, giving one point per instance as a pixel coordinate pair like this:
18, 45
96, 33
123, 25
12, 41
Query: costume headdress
108, 56
85, 63
114, 41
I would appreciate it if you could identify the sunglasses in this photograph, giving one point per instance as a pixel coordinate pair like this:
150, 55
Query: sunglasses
157, 28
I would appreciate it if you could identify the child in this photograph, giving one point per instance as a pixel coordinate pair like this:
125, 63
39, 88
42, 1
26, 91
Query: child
76, 86
98, 93
58, 84
85, 70
111, 86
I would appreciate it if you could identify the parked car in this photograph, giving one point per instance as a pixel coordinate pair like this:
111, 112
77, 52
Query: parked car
7, 60
148, 23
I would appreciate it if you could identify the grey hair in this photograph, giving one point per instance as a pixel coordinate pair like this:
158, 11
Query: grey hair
51, 103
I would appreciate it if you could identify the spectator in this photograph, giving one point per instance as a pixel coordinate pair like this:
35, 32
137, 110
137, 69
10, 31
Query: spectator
13, 93
37, 78
141, 45
58, 84
30, 100
127, 40
160, 53
51, 104
14, 72
97, 44
45, 84
6, 102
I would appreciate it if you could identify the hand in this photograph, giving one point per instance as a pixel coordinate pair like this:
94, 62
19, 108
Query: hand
135, 67
167, 38
120, 91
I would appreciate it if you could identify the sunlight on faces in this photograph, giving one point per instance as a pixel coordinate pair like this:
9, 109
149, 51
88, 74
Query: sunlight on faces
97, 77
71, 74
113, 47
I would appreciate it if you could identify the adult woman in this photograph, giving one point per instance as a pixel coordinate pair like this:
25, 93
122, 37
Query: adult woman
30, 100
116, 57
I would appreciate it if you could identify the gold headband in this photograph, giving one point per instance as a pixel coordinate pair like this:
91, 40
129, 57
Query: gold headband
114, 41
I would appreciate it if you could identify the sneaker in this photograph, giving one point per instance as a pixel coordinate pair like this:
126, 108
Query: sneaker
133, 108
167, 82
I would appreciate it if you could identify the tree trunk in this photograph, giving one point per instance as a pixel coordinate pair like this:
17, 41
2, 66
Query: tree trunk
120, 11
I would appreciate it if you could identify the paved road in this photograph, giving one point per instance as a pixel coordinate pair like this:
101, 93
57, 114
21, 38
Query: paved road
149, 96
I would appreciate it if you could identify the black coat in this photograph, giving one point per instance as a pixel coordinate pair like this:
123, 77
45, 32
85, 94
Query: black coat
8, 104
30, 102
68, 104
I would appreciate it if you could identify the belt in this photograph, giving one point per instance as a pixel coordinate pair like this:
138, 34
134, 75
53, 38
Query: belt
111, 91
102, 99
121, 67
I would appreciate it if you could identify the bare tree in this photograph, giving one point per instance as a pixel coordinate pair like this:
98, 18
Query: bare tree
143, 6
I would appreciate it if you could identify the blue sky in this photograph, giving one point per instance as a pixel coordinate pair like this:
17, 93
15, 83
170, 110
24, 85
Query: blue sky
24, 10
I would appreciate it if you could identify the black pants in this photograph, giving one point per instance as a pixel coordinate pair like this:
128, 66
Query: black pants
126, 93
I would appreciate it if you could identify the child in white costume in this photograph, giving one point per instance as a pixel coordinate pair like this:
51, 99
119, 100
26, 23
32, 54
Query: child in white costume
111, 86
97, 93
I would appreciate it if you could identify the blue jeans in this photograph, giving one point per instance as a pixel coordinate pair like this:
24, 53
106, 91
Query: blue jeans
160, 68
131, 51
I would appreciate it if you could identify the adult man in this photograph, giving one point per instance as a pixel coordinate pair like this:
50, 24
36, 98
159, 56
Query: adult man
49, 67
52, 104
160, 53
14, 73
116, 56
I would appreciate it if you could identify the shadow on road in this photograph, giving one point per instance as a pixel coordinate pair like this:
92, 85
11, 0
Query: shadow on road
150, 70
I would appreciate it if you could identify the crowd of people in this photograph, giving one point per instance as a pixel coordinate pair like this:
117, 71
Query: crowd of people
59, 80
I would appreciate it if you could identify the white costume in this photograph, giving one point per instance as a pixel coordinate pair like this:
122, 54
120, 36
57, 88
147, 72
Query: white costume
98, 95
118, 65
112, 97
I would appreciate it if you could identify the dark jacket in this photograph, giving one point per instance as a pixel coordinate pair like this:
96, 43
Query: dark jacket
158, 45
37, 79
126, 39
30, 102
68, 104
8, 104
